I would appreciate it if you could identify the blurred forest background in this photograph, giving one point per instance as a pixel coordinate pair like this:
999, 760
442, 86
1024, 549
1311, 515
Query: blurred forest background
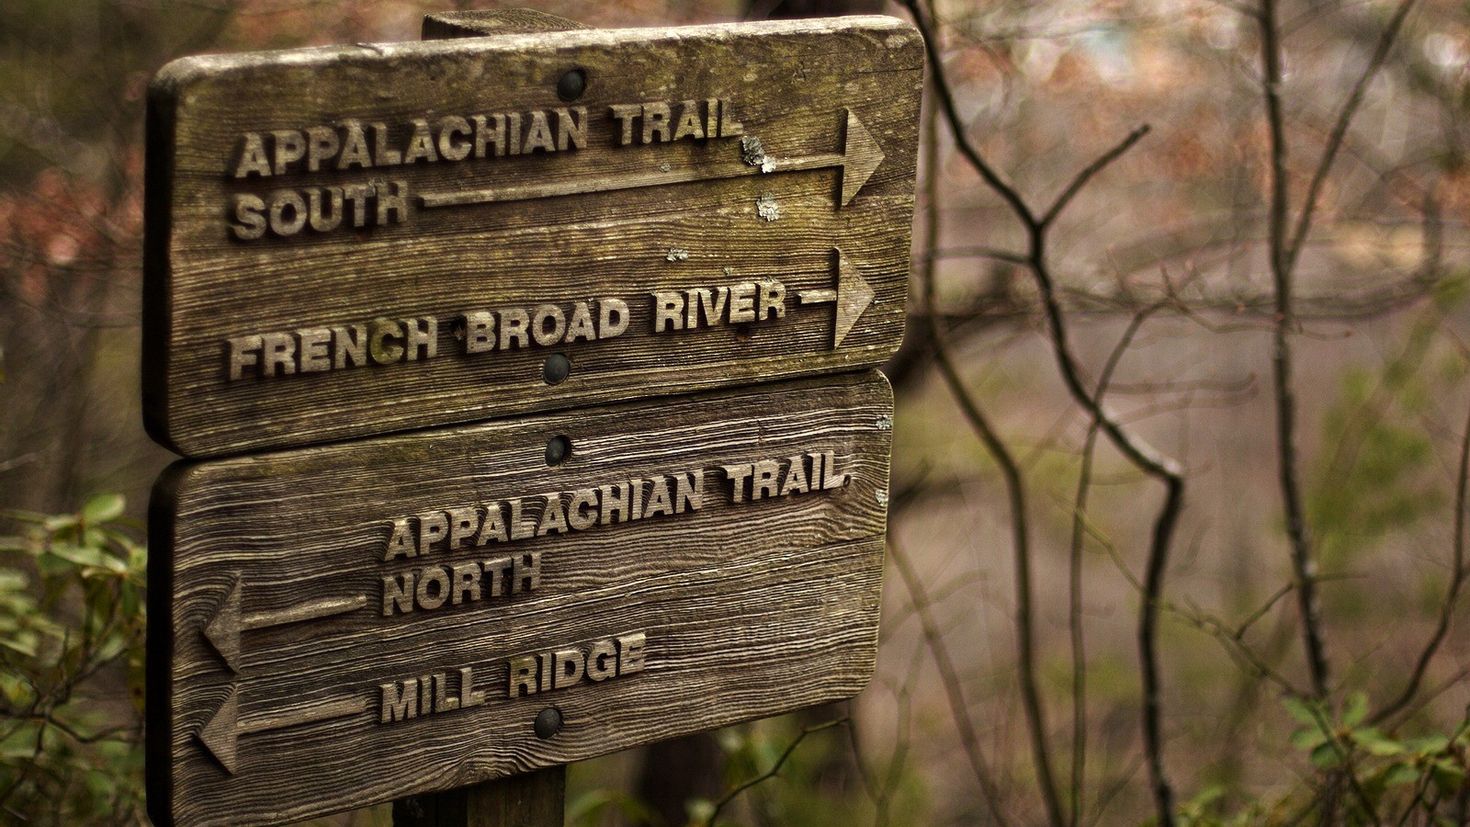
1178, 532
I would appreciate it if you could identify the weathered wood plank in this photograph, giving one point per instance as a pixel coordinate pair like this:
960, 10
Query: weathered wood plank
787, 200
294, 594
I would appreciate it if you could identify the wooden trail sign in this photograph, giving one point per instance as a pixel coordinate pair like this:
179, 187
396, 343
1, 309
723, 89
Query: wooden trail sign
351, 241
338, 626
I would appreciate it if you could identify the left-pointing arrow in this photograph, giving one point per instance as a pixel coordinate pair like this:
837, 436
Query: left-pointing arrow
223, 630
859, 158
221, 733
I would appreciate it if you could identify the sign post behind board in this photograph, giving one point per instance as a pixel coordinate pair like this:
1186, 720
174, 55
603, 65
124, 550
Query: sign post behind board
536, 798
625, 289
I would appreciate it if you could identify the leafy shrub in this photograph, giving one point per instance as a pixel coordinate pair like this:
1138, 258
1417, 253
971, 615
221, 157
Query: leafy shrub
72, 621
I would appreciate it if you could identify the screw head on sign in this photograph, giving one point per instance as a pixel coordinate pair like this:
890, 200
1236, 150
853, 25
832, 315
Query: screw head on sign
572, 85
557, 368
558, 448
548, 722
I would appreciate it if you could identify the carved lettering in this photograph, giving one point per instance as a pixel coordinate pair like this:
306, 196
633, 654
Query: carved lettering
431, 694
740, 303
456, 584
568, 666
253, 159
287, 212
798, 474
655, 122
350, 145
400, 701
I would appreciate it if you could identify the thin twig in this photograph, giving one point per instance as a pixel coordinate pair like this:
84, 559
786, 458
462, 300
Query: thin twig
1015, 492
1212, 626
978, 251
774, 770
1074, 585
1087, 173
1345, 755
1451, 600
959, 711
1340, 129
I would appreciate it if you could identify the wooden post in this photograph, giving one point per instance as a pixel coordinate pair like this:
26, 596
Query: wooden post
534, 799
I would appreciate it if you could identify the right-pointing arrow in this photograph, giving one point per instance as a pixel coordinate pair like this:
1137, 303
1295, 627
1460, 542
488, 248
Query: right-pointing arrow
852, 296
223, 630
859, 157
862, 157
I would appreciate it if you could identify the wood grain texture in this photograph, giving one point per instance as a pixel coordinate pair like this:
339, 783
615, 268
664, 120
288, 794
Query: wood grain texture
793, 85
749, 609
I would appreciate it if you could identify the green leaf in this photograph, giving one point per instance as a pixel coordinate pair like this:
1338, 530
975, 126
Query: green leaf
1307, 739
1430, 745
1447, 777
104, 508
1326, 756
12, 581
23, 643
699, 810
1400, 773
1357, 709
59, 522
89, 556
1376, 743
1302, 711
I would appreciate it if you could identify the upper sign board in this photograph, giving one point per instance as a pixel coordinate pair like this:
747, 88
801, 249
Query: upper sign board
336, 626
357, 240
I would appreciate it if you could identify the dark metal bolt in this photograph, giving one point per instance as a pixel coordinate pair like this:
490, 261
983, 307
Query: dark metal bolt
548, 722
558, 448
572, 85
556, 369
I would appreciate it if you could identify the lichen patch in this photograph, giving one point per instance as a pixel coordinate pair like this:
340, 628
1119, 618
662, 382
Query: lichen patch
767, 208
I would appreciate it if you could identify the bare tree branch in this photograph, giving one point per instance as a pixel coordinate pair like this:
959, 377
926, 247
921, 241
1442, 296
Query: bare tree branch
1451, 600
1340, 129
1080, 180
1074, 585
773, 771
1284, 253
1133, 448
1015, 491
1297, 531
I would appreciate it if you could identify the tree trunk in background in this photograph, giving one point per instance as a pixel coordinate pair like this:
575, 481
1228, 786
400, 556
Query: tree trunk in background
676, 771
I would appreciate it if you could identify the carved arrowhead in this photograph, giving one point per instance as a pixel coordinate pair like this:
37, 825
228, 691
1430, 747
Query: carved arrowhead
223, 630
221, 734
854, 294
861, 156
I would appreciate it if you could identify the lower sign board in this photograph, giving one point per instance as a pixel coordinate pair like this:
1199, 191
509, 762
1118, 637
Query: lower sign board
355, 240
343, 625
